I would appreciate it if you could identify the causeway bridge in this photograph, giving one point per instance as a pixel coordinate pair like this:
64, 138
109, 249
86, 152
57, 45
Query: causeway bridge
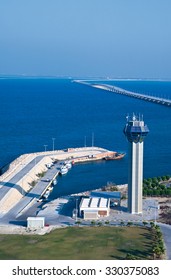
118, 90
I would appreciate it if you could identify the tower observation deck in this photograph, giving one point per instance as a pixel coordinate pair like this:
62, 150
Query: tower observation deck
135, 131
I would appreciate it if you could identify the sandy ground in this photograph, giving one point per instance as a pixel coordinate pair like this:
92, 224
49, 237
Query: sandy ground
24, 231
164, 203
165, 210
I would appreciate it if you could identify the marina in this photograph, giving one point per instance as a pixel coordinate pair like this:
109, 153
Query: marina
29, 188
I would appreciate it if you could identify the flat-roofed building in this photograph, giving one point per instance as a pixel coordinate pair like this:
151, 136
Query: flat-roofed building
94, 207
115, 197
35, 222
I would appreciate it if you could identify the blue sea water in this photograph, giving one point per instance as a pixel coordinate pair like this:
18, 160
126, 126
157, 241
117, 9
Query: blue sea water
35, 110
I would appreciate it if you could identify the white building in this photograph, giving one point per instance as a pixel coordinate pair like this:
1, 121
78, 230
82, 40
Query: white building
35, 222
94, 208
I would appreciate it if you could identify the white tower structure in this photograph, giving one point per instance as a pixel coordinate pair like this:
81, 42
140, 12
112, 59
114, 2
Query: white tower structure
135, 131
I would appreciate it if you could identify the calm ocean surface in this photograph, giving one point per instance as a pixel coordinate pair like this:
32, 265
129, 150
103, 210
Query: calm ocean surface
33, 111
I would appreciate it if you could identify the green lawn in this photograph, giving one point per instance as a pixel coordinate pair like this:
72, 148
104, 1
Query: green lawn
82, 243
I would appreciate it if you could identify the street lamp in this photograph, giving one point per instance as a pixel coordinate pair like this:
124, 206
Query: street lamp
22, 187
85, 144
35, 165
53, 140
156, 208
92, 139
45, 147
22, 180
76, 216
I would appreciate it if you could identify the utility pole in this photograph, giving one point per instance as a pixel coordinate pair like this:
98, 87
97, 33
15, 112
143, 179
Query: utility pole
76, 215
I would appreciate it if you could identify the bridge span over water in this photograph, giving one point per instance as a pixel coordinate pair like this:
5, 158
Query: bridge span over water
118, 90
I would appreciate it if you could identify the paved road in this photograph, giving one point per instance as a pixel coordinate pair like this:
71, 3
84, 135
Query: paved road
166, 230
6, 186
30, 198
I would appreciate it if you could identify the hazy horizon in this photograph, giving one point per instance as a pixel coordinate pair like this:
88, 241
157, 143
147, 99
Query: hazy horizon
118, 39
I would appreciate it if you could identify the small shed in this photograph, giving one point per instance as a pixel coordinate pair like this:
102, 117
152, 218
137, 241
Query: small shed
35, 222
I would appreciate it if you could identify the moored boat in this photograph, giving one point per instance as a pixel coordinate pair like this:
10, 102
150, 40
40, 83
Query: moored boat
50, 188
68, 164
46, 194
63, 170
54, 182
115, 156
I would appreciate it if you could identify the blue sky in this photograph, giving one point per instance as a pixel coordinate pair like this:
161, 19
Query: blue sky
99, 38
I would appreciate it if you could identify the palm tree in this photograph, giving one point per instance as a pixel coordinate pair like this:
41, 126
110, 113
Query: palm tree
162, 250
122, 223
130, 257
157, 227
78, 222
158, 235
157, 251
93, 222
145, 223
152, 225
129, 224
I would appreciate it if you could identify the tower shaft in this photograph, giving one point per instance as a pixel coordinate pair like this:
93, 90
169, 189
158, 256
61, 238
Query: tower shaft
135, 131
135, 178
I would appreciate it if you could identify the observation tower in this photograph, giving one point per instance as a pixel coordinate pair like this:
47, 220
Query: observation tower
135, 131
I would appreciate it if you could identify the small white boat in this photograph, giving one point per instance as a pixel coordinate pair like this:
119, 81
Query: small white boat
63, 170
54, 182
46, 194
50, 188
68, 164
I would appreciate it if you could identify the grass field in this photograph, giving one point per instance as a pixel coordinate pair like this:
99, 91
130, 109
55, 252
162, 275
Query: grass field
81, 243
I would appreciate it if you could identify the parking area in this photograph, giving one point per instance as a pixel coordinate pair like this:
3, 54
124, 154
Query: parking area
60, 211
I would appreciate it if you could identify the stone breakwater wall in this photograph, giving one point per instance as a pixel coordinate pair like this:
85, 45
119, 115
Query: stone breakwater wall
16, 165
